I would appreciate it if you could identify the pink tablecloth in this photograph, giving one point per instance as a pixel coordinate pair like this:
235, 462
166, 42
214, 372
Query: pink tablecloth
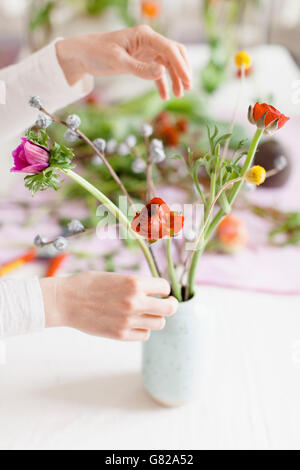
259, 267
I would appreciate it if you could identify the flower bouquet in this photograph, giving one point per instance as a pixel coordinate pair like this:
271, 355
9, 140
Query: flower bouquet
171, 356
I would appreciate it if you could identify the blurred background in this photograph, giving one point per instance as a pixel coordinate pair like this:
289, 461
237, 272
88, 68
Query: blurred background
26, 25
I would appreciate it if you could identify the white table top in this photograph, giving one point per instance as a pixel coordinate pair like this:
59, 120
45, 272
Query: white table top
63, 390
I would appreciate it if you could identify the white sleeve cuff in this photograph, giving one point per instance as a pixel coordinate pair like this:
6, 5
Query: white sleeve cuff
21, 307
40, 74
57, 93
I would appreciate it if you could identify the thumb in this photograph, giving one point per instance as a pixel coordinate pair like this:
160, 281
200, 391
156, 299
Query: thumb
151, 71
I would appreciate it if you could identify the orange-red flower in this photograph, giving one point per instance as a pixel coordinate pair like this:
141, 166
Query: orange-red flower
151, 9
232, 233
170, 135
176, 223
156, 221
182, 125
266, 117
168, 130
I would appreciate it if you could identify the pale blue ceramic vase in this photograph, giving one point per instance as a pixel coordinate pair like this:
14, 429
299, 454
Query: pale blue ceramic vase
177, 359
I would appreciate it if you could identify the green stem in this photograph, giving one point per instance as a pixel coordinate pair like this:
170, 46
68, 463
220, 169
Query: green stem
117, 213
221, 213
174, 280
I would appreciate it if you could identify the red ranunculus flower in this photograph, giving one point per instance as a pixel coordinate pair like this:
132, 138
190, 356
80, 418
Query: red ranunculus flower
170, 135
156, 221
176, 223
266, 116
182, 125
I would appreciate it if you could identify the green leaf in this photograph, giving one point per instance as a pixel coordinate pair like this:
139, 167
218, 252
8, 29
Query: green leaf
221, 140
40, 137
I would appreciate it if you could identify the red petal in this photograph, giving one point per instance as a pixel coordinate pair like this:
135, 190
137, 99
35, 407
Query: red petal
271, 114
176, 223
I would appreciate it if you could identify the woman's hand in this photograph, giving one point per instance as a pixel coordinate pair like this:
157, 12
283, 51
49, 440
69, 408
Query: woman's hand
107, 304
139, 51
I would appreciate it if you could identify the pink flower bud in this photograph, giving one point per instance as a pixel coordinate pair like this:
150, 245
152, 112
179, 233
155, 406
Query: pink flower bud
30, 158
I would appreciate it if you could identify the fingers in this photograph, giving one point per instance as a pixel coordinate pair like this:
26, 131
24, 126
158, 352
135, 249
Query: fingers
175, 57
159, 307
148, 322
138, 335
183, 52
152, 285
163, 87
177, 84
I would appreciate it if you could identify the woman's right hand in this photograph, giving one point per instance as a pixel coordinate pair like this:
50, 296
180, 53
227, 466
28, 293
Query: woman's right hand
107, 304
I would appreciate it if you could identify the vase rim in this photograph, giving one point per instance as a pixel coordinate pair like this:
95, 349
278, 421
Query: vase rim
191, 299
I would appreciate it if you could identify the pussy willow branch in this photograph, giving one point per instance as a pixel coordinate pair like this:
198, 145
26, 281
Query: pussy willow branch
100, 154
71, 235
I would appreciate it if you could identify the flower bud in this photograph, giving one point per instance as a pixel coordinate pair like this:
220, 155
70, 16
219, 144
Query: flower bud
146, 130
190, 235
157, 155
75, 226
73, 121
39, 241
256, 175
100, 144
30, 157
130, 141
266, 117
123, 150
60, 244
243, 59
96, 160
111, 146
71, 136
138, 166
156, 143
43, 121
36, 102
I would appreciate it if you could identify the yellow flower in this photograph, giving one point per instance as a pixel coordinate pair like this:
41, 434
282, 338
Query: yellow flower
256, 175
242, 58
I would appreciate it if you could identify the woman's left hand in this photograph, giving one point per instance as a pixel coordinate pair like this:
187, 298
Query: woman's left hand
139, 51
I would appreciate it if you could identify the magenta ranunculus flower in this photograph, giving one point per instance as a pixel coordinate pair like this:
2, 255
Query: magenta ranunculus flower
30, 158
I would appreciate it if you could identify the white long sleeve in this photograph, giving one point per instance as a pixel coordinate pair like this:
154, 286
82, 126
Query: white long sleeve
21, 307
21, 301
41, 75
